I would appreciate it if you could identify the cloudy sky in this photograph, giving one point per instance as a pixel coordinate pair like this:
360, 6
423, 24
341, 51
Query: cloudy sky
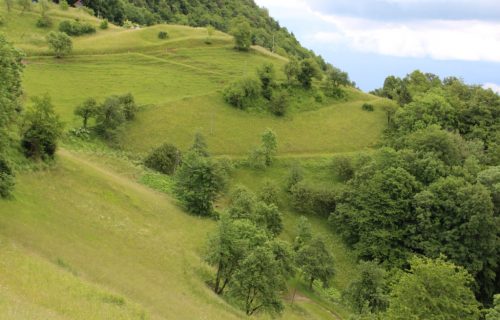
374, 38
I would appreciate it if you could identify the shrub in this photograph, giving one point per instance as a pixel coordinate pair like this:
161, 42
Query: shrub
279, 103
6, 179
63, 5
313, 200
367, 107
127, 24
164, 159
1, 21
104, 24
242, 93
269, 193
60, 43
295, 176
343, 167
256, 158
44, 22
41, 130
163, 35
76, 28
129, 106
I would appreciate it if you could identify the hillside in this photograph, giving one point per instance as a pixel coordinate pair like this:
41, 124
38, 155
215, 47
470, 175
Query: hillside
122, 249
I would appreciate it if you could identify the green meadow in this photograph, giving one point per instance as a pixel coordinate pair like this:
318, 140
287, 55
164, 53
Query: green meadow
93, 236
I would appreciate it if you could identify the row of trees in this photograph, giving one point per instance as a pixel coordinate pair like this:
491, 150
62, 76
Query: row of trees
264, 89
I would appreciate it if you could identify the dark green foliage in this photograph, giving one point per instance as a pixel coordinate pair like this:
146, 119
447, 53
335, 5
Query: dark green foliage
129, 106
308, 70
88, 109
104, 24
315, 261
6, 179
279, 103
267, 76
76, 28
313, 200
198, 182
60, 43
243, 93
242, 204
452, 209
367, 107
11, 69
376, 215
164, 159
490, 178
163, 35
44, 22
433, 290
292, 69
368, 293
40, 130
343, 167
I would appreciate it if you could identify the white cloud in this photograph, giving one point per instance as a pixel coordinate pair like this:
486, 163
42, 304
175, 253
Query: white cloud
493, 86
470, 40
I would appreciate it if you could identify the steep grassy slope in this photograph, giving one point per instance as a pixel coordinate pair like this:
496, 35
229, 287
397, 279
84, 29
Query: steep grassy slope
121, 250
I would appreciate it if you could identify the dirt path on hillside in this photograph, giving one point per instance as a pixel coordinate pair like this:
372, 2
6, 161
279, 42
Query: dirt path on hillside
298, 297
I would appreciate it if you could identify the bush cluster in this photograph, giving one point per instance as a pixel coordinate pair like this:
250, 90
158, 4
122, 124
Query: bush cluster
6, 179
104, 24
76, 28
163, 35
243, 93
313, 200
367, 107
165, 159
44, 22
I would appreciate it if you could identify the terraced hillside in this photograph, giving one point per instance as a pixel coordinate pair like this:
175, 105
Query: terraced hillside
85, 239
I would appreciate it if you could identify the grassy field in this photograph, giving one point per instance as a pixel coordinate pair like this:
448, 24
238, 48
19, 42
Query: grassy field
93, 226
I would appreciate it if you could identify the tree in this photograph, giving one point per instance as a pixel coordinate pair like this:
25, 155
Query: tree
267, 76
164, 159
242, 33
11, 69
376, 214
6, 179
309, 69
200, 145
228, 246
456, 219
343, 167
494, 313
433, 290
304, 233
315, 261
490, 178
269, 217
109, 117
198, 183
295, 176
60, 43
44, 7
242, 204
129, 106
40, 130
243, 93
269, 145
279, 103
87, 110
210, 34
335, 78
367, 293
269, 193
259, 282
292, 69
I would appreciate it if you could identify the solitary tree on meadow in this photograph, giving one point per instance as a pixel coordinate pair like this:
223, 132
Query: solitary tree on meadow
60, 43
87, 110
